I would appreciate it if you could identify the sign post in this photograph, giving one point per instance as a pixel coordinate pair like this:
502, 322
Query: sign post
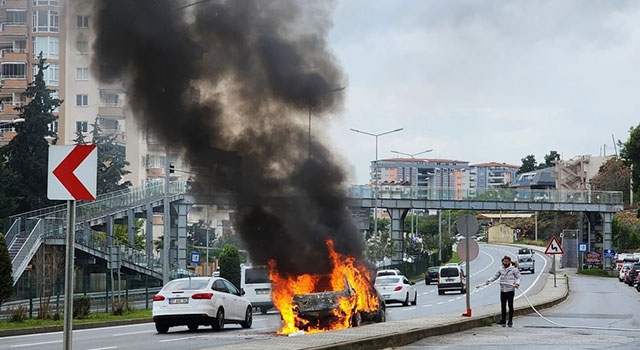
554, 248
468, 225
72, 176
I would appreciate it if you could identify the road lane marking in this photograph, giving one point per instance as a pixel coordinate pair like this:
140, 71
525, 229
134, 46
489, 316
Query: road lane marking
178, 339
129, 333
440, 303
428, 305
35, 344
105, 348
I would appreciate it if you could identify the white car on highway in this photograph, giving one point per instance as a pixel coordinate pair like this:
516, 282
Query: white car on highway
200, 301
397, 289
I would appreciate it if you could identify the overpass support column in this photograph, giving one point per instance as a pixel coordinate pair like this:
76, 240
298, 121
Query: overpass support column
397, 233
607, 219
110, 230
149, 234
183, 210
131, 219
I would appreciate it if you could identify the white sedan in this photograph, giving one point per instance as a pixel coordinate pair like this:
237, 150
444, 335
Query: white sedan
196, 301
397, 289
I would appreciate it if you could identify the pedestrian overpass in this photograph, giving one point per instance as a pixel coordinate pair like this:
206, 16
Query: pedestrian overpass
47, 226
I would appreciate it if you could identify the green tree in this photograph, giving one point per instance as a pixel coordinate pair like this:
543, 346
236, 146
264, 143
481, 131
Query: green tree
6, 277
379, 248
630, 153
111, 161
528, 164
549, 160
230, 264
27, 153
8, 202
613, 175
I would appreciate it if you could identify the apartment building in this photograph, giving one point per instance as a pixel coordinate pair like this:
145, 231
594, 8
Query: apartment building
494, 174
63, 31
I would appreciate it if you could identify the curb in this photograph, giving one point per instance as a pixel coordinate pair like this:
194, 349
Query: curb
48, 329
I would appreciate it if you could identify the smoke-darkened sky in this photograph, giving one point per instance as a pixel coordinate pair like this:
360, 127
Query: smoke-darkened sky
230, 83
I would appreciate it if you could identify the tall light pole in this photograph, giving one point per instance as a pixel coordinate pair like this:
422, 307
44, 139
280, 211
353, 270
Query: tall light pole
375, 189
320, 94
411, 175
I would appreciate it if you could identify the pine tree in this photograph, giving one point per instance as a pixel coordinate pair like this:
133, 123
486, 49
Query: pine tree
8, 202
230, 264
111, 161
27, 153
6, 277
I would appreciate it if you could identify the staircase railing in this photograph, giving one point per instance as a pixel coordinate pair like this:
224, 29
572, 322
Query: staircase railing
13, 232
27, 251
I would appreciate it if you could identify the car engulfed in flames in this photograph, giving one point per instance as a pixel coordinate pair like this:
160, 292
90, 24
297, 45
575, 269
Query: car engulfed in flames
318, 303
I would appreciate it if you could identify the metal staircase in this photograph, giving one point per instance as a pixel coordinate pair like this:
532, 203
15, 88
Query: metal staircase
29, 230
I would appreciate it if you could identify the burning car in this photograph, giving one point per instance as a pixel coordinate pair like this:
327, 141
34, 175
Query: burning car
320, 310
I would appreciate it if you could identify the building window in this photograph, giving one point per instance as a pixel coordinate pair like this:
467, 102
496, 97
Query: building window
82, 73
45, 21
81, 126
82, 47
51, 75
16, 17
48, 45
82, 21
14, 70
53, 127
55, 95
46, 2
82, 100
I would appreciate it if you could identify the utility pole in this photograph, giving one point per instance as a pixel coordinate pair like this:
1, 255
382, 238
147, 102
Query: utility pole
166, 242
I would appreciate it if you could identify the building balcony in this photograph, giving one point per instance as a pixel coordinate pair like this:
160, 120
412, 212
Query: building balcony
14, 54
7, 108
155, 172
15, 4
14, 82
17, 29
111, 110
6, 135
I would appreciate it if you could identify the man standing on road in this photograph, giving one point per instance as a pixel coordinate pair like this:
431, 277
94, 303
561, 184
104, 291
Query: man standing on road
509, 276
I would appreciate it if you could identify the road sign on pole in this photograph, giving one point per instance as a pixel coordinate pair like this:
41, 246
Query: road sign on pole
195, 258
583, 247
554, 247
468, 225
72, 172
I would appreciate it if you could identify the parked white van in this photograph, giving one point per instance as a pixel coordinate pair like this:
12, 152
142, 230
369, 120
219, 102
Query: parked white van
255, 282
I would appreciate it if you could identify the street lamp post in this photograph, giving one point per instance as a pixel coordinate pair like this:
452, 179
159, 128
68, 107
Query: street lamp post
411, 176
320, 94
375, 189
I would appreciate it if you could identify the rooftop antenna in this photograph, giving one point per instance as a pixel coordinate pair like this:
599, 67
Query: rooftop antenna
615, 149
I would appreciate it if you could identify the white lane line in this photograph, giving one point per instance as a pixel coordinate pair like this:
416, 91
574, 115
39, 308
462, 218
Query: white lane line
105, 348
536, 280
35, 344
129, 333
440, 303
428, 305
450, 300
458, 298
178, 339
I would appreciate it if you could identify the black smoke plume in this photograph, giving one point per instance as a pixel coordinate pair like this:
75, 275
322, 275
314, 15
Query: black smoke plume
231, 84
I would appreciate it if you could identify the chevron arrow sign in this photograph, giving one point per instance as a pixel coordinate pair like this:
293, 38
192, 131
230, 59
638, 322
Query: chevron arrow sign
73, 172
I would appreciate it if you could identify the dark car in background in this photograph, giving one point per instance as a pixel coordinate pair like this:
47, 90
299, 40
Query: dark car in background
632, 274
431, 275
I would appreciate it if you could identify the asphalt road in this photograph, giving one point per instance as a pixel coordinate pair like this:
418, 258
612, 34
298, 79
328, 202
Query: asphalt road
143, 336
600, 313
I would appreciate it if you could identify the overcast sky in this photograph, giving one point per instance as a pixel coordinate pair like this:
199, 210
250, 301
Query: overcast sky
485, 81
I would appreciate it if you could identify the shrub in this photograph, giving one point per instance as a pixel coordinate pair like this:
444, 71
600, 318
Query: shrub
81, 306
120, 308
17, 314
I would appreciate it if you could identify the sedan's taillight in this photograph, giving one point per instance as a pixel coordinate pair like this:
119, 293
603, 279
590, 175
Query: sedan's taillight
158, 297
397, 288
202, 296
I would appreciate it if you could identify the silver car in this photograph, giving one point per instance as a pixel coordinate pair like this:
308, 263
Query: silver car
200, 301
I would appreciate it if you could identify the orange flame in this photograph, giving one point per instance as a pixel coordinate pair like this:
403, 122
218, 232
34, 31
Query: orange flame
343, 267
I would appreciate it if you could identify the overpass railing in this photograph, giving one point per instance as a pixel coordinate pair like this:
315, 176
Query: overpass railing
493, 195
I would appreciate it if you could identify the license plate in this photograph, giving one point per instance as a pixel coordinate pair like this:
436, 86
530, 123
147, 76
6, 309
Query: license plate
178, 300
262, 291
449, 279
387, 296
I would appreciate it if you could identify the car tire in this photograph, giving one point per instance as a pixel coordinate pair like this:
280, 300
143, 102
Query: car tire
193, 327
356, 320
415, 299
382, 314
440, 292
248, 318
162, 328
218, 322
533, 271
406, 300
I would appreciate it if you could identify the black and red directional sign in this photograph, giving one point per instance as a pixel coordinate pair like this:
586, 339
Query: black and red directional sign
72, 172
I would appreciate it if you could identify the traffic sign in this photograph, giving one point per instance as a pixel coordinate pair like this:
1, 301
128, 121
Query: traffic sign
583, 247
467, 225
554, 247
608, 253
195, 258
473, 249
72, 172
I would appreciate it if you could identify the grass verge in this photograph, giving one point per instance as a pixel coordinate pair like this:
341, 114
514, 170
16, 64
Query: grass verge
92, 318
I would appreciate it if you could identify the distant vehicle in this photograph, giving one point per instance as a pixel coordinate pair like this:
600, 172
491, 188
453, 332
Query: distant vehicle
451, 277
216, 272
255, 282
397, 289
200, 301
632, 274
525, 251
526, 263
431, 275
322, 308
388, 272
623, 271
